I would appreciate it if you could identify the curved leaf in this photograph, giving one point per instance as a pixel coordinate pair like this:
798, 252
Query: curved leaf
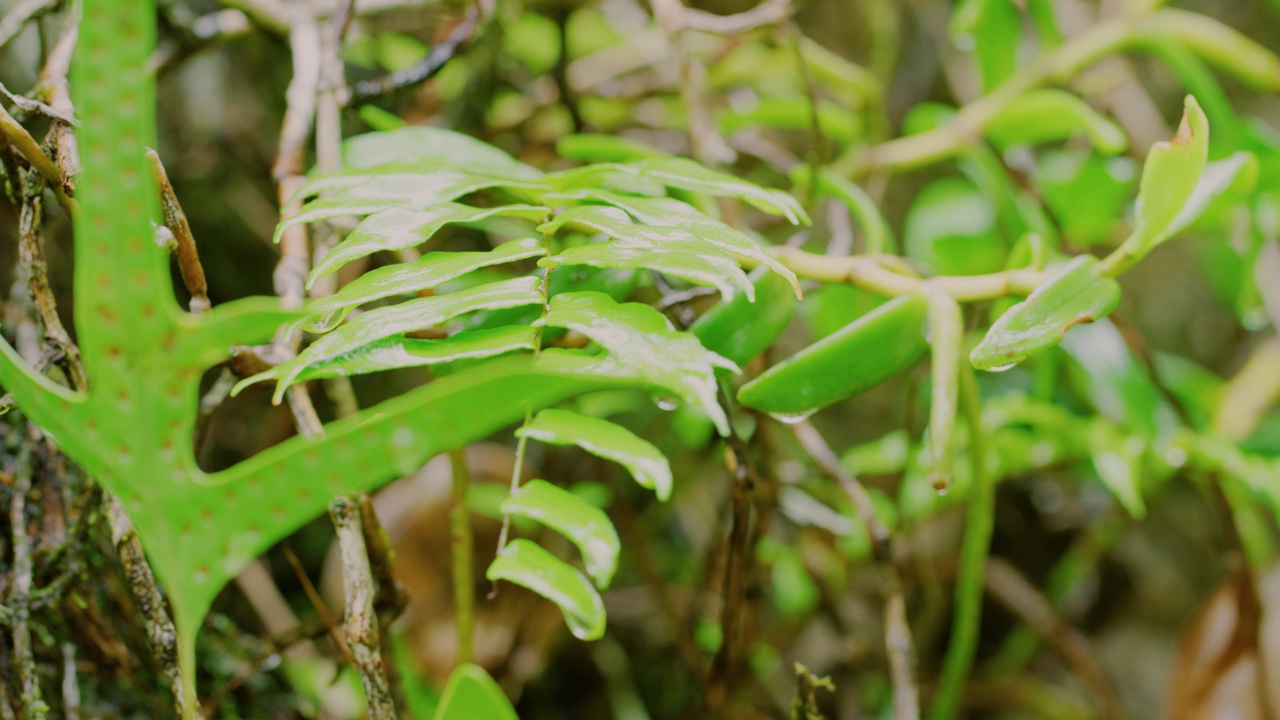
525, 563
585, 524
1047, 115
739, 329
434, 147
670, 251
366, 193
642, 344
428, 271
399, 319
686, 174
1079, 292
400, 228
667, 212
607, 440
863, 354
401, 352
471, 694
1169, 177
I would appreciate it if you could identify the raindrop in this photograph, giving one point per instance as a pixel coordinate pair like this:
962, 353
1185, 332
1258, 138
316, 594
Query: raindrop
791, 418
1002, 368
666, 402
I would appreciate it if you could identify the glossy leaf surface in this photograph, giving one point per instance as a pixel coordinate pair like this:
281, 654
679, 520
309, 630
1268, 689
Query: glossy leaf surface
671, 251
527, 564
739, 329
402, 228
641, 343
401, 352
858, 357
425, 273
686, 174
398, 319
607, 440
1076, 293
585, 524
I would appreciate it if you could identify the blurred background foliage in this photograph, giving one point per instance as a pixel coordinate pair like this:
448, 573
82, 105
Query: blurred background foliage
1138, 461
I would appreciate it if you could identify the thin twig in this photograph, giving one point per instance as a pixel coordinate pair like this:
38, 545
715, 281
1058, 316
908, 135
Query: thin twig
70, 687
737, 567
1020, 597
898, 641
36, 157
770, 12
360, 621
322, 609
19, 15
20, 593
421, 71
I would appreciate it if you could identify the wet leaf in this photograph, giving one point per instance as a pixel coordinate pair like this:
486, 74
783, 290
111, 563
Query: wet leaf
1076, 293
399, 319
401, 228
670, 251
661, 211
585, 524
431, 147
1236, 174
367, 193
425, 273
863, 354
685, 174
472, 694
739, 329
401, 352
642, 344
607, 440
525, 563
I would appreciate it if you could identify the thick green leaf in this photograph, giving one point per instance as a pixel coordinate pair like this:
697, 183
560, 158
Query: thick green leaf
366, 193
739, 329
428, 271
607, 440
585, 524
670, 251
432, 147
399, 319
1047, 115
951, 229
667, 212
1076, 293
400, 228
860, 356
401, 352
471, 694
1117, 382
1237, 173
593, 148
525, 563
686, 174
1169, 177
642, 344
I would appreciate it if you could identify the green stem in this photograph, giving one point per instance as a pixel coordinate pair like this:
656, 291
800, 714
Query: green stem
464, 596
967, 618
871, 273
